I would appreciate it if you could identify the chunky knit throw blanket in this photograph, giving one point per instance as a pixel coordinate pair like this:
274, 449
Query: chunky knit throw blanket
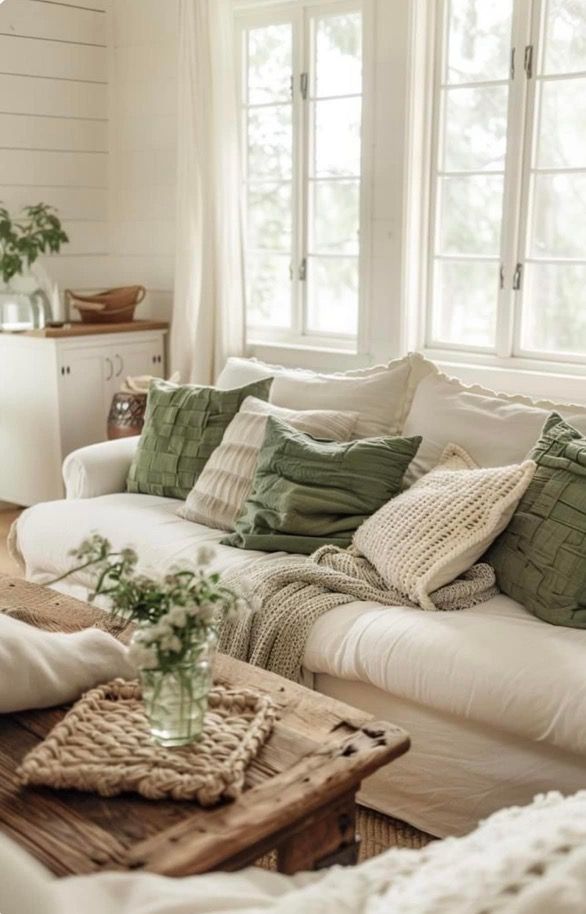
286, 597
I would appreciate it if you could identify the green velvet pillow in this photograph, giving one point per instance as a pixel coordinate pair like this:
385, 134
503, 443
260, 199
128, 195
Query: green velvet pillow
308, 492
540, 559
183, 425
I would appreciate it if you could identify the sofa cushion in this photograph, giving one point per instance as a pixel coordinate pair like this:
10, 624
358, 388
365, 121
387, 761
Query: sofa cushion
226, 481
494, 664
183, 426
540, 559
495, 429
437, 529
307, 493
381, 394
146, 522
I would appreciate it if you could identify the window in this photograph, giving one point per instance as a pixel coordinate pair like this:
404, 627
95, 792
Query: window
507, 255
302, 125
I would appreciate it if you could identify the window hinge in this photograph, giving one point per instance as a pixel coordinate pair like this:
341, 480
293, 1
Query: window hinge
304, 84
502, 276
517, 277
303, 270
528, 61
512, 67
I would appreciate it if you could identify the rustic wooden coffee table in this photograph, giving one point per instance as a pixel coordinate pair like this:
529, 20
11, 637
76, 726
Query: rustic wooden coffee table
299, 797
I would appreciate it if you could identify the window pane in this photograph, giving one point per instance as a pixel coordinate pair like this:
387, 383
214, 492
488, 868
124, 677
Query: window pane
475, 129
479, 40
565, 36
562, 135
339, 55
465, 302
333, 295
269, 290
470, 214
559, 216
554, 318
269, 64
336, 217
337, 137
269, 216
270, 142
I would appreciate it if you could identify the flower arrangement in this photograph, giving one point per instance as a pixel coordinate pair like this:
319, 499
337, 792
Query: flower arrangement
177, 619
170, 612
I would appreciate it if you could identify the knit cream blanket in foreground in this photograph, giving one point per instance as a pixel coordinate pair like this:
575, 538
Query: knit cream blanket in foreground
285, 598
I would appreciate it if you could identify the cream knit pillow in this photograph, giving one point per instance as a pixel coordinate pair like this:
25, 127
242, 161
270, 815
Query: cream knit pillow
226, 480
435, 531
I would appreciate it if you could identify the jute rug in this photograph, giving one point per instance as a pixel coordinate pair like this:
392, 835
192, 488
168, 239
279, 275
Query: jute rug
377, 833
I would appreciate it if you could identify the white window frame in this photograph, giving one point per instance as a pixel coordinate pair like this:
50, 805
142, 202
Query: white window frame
302, 13
528, 29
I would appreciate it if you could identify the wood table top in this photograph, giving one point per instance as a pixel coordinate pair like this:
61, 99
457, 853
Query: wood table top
319, 752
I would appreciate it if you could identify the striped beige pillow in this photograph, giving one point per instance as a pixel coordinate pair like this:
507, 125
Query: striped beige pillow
226, 480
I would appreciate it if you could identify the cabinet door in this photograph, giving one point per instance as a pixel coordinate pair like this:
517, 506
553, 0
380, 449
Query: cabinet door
132, 360
82, 377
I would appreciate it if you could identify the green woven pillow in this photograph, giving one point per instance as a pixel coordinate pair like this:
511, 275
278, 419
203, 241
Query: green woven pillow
307, 492
183, 425
540, 559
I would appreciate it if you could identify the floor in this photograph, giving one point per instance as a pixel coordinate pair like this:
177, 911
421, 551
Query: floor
377, 832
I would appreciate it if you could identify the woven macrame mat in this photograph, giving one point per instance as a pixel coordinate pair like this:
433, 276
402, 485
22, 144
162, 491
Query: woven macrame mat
103, 745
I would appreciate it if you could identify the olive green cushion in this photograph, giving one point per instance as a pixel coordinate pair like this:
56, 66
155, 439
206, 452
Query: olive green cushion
183, 426
308, 492
540, 559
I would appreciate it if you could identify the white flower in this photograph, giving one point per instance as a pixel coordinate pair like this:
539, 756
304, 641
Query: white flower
144, 658
171, 643
205, 555
177, 617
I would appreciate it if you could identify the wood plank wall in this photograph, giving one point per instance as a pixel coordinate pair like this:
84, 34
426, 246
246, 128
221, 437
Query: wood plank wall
143, 128
54, 136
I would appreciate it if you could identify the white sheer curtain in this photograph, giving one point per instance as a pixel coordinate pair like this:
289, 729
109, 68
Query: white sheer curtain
208, 314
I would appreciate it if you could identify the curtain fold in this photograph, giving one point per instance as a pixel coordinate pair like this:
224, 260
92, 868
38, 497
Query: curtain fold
208, 310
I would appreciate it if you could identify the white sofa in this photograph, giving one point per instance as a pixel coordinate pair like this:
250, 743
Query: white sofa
494, 699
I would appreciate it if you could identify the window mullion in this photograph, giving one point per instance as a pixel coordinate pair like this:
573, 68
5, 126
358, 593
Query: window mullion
512, 196
305, 152
530, 131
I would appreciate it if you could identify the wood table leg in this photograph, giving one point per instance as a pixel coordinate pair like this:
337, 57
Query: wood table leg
327, 837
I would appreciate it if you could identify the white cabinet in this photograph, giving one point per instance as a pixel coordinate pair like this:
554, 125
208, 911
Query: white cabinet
55, 395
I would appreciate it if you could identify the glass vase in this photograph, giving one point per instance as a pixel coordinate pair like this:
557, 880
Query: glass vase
23, 306
176, 701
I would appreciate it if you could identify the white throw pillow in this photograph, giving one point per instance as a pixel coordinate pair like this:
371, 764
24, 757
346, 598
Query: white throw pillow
39, 669
381, 394
495, 429
436, 530
226, 480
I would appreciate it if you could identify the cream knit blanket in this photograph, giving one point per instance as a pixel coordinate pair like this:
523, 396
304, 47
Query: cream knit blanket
286, 597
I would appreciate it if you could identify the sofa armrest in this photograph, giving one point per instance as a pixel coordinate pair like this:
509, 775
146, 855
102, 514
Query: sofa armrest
100, 469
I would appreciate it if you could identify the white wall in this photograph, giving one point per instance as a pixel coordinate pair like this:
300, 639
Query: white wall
54, 123
143, 126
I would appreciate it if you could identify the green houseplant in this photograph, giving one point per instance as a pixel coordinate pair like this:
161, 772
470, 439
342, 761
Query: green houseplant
37, 230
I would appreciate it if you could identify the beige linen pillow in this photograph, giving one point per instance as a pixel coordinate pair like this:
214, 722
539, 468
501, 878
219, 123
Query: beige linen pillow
382, 394
436, 530
226, 481
495, 429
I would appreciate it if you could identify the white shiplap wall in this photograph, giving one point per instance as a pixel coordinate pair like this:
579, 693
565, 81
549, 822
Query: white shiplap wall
54, 124
143, 127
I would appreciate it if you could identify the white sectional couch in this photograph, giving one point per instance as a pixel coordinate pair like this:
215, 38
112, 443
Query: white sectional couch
494, 699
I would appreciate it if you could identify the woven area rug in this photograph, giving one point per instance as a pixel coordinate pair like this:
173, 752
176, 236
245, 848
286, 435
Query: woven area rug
378, 833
